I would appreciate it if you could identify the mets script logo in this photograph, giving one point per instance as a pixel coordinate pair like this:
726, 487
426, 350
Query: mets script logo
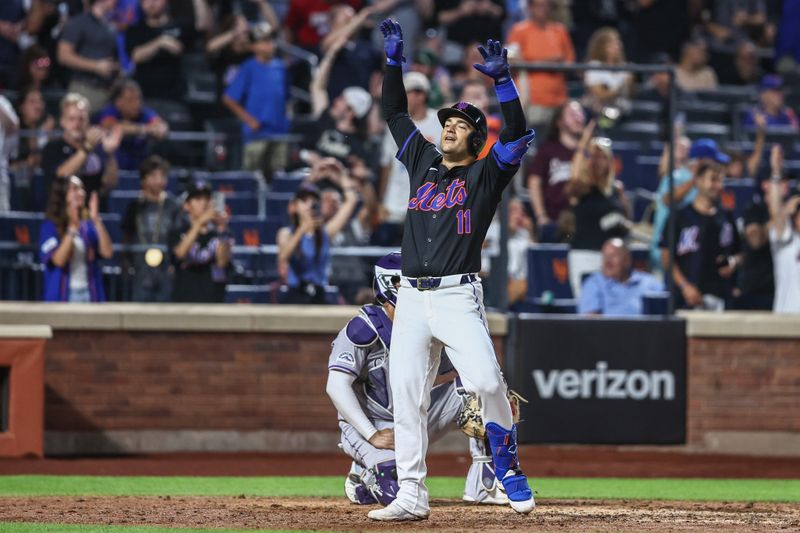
427, 198
688, 242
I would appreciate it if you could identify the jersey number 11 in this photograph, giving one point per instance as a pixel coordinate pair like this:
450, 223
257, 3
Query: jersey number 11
464, 221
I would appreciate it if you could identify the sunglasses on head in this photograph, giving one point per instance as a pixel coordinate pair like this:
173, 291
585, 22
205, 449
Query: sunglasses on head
42, 62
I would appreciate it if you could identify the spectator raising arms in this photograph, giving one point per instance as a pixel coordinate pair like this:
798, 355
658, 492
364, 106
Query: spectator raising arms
72, 240
683, 191
784, 237
771, 103
201, 249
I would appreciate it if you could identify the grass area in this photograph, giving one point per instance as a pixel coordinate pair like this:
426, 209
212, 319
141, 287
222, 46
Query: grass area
8, 527
441, 487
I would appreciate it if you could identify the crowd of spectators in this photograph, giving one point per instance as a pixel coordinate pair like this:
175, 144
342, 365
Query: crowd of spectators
117, 67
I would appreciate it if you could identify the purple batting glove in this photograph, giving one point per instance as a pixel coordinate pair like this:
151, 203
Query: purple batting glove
392, 42
495, 62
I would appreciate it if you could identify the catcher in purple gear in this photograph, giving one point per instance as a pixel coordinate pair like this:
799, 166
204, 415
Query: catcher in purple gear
359, 387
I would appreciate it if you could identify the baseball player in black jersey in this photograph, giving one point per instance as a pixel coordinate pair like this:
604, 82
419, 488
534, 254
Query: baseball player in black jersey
440, 301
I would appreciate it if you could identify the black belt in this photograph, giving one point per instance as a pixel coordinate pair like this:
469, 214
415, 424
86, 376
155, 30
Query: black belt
429, 283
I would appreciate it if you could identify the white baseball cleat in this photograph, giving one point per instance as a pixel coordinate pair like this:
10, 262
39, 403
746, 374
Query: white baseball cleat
395, 513
523, 507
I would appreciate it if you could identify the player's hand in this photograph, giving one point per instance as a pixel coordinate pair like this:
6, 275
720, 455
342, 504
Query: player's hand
495, 62
383, 439
692, 295
392, 41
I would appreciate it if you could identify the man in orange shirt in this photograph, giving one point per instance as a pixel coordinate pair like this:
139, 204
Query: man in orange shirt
540, 39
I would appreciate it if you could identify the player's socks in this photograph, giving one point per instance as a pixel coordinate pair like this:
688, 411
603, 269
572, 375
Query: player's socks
506, 467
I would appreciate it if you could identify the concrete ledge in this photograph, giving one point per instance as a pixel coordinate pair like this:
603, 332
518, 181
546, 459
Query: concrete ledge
26, 332
205, 318
760, 443
160, 441
741, 324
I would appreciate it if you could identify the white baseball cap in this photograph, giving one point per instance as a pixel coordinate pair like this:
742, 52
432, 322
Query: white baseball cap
416, 81
358, 99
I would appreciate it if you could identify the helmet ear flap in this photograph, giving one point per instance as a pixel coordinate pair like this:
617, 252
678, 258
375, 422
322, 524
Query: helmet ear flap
475, 142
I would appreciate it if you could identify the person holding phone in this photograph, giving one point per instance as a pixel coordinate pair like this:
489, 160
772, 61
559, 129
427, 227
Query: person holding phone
201, 248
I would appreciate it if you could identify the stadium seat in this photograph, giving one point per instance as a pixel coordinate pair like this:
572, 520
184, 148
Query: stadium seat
647, 177
21, 228
718, 132
730, 94
737, 195
700, 111
548, 275
276, 206
249, 230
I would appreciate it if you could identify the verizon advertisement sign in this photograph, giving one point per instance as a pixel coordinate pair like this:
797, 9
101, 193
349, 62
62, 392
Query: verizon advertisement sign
599, 381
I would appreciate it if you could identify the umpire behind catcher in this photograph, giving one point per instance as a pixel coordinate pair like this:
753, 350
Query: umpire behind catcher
440, 301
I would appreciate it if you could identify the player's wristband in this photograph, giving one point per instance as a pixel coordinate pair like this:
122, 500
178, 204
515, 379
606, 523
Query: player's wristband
392, 62
506, 91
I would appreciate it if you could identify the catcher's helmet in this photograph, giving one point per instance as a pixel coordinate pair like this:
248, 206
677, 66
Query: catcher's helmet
474, 117
387, 275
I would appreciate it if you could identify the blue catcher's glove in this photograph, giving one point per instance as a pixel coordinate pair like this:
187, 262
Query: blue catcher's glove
495, 62
392, 42
512, 152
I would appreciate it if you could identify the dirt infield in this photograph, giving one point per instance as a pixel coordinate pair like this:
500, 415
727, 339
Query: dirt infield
338, 515
539, 461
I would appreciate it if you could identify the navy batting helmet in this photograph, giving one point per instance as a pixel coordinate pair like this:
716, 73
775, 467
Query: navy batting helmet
387, 275
474, 117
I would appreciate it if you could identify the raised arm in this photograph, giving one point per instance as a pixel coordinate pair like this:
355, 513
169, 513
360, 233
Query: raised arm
394, 100
319, 82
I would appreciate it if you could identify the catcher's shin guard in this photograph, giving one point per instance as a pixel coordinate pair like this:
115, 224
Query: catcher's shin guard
355, 485
385, 487
506, 465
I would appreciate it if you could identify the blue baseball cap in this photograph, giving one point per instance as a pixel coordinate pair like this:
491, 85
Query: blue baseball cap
708, 149
771, 82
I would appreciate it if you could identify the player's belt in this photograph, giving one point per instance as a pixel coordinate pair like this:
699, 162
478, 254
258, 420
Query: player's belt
430, 283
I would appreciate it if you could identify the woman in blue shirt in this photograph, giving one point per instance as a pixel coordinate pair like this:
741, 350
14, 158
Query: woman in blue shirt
70, 241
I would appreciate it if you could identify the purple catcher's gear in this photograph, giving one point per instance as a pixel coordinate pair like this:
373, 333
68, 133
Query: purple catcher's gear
363, 496
386, 487
387, 275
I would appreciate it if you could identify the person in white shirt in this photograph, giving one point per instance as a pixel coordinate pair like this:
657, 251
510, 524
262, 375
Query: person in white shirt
784, 238
394, 188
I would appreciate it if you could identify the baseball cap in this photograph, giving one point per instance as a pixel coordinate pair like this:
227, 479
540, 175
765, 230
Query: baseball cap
468, 112
708, 149
198, 187
771, 82
416, 81
358, 99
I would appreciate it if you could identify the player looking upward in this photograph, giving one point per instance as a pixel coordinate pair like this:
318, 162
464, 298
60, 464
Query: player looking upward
440, 300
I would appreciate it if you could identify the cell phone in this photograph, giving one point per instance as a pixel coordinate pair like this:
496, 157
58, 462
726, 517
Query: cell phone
315, 209
218, 200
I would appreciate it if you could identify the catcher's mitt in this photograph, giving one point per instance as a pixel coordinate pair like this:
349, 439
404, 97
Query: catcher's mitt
470, 421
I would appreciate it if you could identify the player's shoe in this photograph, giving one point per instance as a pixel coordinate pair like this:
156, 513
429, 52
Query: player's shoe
507, 470
489, 491
395, 513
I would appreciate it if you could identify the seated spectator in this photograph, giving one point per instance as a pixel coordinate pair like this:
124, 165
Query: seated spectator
258, 96
201, 249
141, 126
604, 87
755, 284
155, 46
84, 151
540, 39
9, 125
599, 203
72, 240
693, 72
707, 248
12, 20
36, 69
683, 192
88, 49
771, 103
339, 129
148, 222
746, 68
467, 21
657, 87
784, 238
520, 237
618, 289
228, 49
551, 169
28, 159
394, 189
733, 20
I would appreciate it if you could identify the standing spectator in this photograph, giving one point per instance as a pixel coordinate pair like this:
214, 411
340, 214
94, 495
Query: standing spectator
707, 244
618, 289
683, 191
258, 96
88, 48
228, 49
467, 21
141, 126
307, 21
741, 19
540, 39
71, 242
148, 222
394, 189
201, 249
35, 69
784, 238
84, 151
600, 206
195, 15
12, 19
606, 88
28, 160
693, 72
755, 284
155, 46
9, 125
771, 103
550, 170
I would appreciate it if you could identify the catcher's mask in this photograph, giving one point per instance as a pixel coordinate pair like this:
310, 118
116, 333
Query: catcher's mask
387, 275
